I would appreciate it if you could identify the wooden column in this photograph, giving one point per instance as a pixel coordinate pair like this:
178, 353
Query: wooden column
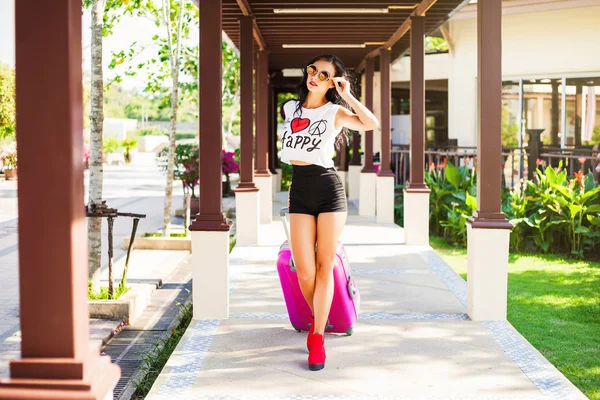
355, 148
578, 113
369, 73
210, 217
386, 118
344, 157
274, 122
246, 100
489, 138
57, 359
417, 103
554, 114
262, 114
272, 131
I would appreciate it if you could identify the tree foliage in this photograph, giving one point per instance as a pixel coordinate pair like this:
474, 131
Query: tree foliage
7, 101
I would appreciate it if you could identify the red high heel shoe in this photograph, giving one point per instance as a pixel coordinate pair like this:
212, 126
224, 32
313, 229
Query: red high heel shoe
316, 357
311, 332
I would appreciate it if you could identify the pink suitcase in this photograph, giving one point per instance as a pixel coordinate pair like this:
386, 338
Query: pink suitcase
346, 299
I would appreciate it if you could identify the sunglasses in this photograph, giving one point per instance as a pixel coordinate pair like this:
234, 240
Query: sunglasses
324, 76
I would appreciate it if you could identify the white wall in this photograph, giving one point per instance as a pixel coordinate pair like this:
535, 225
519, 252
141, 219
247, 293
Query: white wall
7, 32
436, 67
541, 44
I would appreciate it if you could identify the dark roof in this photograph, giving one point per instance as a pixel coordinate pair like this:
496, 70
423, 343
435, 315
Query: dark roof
272, 30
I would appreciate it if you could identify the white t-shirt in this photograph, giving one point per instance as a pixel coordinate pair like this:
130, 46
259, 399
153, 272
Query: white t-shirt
309, 137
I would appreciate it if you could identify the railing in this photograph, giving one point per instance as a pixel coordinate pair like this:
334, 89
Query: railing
514, 161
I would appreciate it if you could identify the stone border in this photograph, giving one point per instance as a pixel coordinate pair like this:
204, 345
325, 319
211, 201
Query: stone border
184, 370
362, 316
546, 378
127, 308
159, 243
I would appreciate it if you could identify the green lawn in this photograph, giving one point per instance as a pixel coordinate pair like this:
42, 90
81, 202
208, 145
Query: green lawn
555, 304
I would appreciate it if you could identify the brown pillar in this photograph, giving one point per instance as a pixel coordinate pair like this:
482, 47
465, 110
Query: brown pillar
275, 110
272, 133
57, 359
578, 114
489, 149
343, 165
369, 73
262, 114
555, 114
355, 148
246, 113
386, 118
417, 103
210, 217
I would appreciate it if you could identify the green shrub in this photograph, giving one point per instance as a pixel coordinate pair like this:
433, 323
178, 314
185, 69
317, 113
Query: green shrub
553, 213
186, 135
154, 130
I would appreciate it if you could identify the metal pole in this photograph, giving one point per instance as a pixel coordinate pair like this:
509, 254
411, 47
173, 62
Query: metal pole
520, 129
111, 290
563, 114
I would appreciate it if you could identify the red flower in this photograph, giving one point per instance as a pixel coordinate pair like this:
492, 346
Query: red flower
579, 177
581, 160
539, 161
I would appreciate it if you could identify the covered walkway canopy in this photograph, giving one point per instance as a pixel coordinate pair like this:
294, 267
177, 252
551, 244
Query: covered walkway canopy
52, 240
293, 31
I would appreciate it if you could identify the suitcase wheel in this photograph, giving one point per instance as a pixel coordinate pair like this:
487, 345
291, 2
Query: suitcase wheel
296, 328
350, 331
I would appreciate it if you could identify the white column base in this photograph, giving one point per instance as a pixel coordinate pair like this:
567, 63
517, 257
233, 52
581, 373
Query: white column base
277, 181
247, 218
487, 273
385, 199
265, 186
210, 273
416, 218
367, 203
344, 177
354, 182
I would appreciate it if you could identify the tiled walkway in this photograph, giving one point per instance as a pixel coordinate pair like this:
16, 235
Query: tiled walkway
413, 338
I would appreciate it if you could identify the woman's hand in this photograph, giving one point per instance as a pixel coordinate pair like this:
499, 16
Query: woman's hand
342, 86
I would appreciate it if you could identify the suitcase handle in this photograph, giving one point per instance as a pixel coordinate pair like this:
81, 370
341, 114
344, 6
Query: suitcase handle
284, 213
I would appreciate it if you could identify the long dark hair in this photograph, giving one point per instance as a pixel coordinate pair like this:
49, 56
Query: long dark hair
332, 95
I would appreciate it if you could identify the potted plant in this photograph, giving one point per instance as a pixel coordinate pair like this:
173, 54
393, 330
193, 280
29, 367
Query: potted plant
8, 158
186, 169
229, 165
128, 145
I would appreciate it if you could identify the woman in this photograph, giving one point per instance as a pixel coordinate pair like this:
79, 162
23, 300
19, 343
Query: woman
314, 126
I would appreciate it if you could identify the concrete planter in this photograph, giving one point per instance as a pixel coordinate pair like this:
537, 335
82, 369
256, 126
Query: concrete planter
159, 243
127, 308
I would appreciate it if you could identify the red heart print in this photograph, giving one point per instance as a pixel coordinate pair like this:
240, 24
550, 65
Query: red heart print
299, 124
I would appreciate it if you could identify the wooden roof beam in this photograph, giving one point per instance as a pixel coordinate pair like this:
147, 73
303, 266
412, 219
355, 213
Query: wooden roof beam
247, 11
421, 10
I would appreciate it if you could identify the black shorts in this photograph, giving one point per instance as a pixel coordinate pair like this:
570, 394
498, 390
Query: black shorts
315, 189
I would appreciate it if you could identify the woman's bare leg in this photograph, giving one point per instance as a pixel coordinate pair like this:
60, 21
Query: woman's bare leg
329, 227
303, 233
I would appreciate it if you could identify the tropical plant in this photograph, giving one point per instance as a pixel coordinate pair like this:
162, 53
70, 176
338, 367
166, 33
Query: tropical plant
568, 206
111, 145
128, 145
